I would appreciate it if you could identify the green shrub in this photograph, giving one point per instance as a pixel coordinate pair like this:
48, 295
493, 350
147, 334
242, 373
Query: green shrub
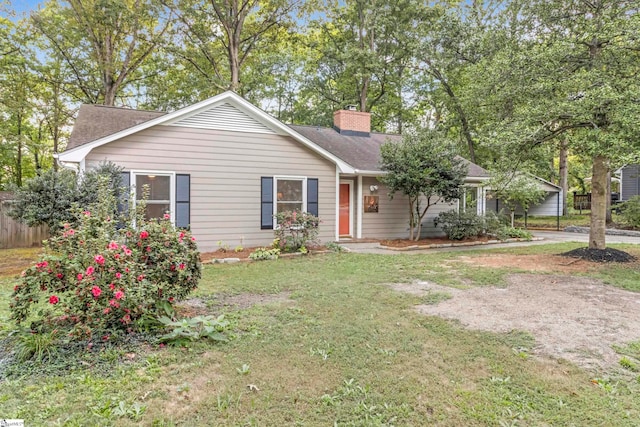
630, 212
295, 230
493, 223
264, 254
49, 197
335, 247
460, 225
507, 232
104, 274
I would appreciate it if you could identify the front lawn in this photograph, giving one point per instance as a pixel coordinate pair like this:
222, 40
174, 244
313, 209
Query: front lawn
321, 341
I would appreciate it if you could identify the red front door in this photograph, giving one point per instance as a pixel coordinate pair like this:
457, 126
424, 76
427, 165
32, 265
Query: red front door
345, 206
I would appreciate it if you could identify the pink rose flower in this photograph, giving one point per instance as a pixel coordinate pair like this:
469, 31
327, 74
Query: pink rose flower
166, 216
59, 275
181, 266
127, 252
144, 234
90, 270
106, 311
118, 275
114, 303
99, 259
54, 299
119, 295
79, 276
112, 286
112, 246
96, 291
141, 278
86, 213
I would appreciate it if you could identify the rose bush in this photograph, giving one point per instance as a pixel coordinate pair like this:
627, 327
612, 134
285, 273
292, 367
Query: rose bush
104, 274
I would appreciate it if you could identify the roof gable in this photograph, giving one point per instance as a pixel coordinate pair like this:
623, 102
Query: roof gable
224, 116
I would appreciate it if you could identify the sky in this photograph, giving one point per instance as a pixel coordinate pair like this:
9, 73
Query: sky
22, 6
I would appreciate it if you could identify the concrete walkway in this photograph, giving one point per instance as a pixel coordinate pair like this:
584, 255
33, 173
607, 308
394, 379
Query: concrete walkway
547, 236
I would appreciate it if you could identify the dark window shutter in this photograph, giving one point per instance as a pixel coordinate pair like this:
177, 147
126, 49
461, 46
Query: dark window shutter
183, 200
312, 196
266, 203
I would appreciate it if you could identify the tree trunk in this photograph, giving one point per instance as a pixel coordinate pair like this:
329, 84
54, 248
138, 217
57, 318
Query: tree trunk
411, 219
110, 93
609, 219
234, 65
598, 202
564, 173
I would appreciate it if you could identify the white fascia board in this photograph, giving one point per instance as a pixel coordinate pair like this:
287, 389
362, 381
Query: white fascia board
369, 173
476, 179
79, 153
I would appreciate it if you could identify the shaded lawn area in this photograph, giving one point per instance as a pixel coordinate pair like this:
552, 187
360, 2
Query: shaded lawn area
343, 350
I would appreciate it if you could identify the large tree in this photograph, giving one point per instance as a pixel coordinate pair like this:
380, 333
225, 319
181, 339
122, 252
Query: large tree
574, 72
218, 38
103, 43
425, 168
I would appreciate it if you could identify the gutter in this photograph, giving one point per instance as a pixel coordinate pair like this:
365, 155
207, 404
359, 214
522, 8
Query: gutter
75, 167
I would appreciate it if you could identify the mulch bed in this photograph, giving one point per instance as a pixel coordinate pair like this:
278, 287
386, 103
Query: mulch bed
403, 243
243, 254
600, 255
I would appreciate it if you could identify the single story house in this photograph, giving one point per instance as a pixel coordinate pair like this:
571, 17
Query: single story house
551, 204
224, 167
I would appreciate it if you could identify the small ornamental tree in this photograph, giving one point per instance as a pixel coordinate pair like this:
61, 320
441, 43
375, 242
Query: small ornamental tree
425, 168
517, 190
100, 276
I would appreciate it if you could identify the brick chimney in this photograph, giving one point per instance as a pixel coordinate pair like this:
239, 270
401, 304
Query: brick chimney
351, 122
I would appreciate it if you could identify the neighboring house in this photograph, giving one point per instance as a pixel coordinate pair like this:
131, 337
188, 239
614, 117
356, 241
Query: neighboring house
224, 167
629, 181
551, 205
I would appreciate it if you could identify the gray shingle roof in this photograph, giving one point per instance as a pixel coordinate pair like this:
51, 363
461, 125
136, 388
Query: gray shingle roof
361, 152
97, 121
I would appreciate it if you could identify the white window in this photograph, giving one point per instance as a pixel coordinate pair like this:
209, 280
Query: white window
290, 194
159, 189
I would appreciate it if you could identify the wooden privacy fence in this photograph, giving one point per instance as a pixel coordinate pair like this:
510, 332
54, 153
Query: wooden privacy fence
14, 234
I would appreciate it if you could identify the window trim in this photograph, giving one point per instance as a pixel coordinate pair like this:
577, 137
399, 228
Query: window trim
303, 179
172, 187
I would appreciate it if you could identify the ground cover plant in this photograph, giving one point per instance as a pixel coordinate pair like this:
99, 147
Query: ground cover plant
335, 344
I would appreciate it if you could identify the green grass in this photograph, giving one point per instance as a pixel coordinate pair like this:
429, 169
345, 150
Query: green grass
345, 350
577, 219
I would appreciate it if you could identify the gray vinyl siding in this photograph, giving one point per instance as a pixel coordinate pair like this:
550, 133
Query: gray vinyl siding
392, 219
548, 207
225, 169
629, 185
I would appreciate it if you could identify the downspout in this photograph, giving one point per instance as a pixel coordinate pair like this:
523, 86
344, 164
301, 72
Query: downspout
67, 165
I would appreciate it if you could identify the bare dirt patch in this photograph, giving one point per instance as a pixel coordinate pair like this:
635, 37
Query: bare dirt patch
543, 262
223, 302
573, 318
